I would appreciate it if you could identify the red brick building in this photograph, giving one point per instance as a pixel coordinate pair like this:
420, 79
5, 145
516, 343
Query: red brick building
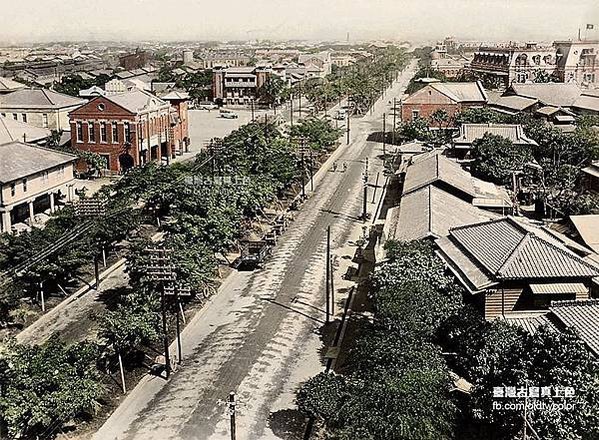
452, 97
130, 128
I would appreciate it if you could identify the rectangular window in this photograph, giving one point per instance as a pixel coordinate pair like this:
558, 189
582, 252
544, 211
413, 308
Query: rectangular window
24, 117
127, 132
103, 134
13, 189
91, 132
45, 120
415, 114
25, 185
115, 132
79, 132
45, 177
15, 116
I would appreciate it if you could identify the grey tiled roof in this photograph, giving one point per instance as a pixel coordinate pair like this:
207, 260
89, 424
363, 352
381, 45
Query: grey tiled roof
471, 132
21, 160
11, 130
514, 102
433, 167
430, 211
38, 99
135, 100
582, 316
7, 84
529, 321
507, 250
462, 91
555, 94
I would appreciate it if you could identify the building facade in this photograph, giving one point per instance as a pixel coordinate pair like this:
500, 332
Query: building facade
40, 107
238, 85
32, 180
577, 62
451, 97
128, 129
502, 66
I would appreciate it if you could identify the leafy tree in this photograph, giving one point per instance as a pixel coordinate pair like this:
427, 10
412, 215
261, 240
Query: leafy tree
495, 158
480, 115
44, 386
417, 129
319, 133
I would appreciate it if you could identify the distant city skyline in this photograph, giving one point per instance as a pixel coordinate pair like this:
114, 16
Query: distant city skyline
178, 20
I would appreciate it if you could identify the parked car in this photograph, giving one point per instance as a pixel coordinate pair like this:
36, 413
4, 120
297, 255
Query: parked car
206, 105
228, 114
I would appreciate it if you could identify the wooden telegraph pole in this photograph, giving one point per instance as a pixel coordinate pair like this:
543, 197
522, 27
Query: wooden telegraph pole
328, 276
177, 290
232, 409
161, 271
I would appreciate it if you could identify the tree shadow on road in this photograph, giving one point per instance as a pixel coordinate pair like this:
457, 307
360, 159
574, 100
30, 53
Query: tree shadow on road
287, 424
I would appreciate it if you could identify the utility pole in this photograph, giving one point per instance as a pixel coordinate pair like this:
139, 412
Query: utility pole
348, 129
384, 133
177, 291
365, 196
161, 271
232, 405
252, 108
332, 276
394, 121
328, 275
291, 109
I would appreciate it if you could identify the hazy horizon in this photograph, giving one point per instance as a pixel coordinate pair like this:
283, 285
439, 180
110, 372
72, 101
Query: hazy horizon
193, 20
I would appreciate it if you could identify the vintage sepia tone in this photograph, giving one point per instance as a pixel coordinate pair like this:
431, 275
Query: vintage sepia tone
262, 220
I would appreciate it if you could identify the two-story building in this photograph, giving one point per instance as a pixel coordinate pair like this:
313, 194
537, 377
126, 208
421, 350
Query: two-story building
577, 62
129, 128
32, 180
40, 107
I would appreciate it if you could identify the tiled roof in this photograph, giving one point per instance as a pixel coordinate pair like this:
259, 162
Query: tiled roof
39, 99
7, 84
583, 316
462, 91
529, 321
175, 95
21, 160
11, 130
471, 132
432, 167
507, 250
587, 227
555, 94
430, 211
514, 102
135, 100
587, 102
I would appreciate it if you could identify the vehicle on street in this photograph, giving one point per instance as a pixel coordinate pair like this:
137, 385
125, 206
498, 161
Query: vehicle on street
228, 114
207, 105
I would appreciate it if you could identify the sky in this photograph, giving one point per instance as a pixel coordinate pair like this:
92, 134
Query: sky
415, 20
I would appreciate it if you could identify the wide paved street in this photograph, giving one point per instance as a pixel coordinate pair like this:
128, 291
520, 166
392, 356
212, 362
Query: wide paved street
258, 336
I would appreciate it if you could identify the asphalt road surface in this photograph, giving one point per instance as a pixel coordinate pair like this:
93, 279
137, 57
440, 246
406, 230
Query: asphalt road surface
258, 336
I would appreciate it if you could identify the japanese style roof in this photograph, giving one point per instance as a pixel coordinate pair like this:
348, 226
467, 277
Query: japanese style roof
11, 130
553, 94
587, 227
432, 167
587, 102
507, 249
38, 99
471, 132
431, 212
20, 160
529, 321
583, 316
8, 85
514, 103
592, 170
